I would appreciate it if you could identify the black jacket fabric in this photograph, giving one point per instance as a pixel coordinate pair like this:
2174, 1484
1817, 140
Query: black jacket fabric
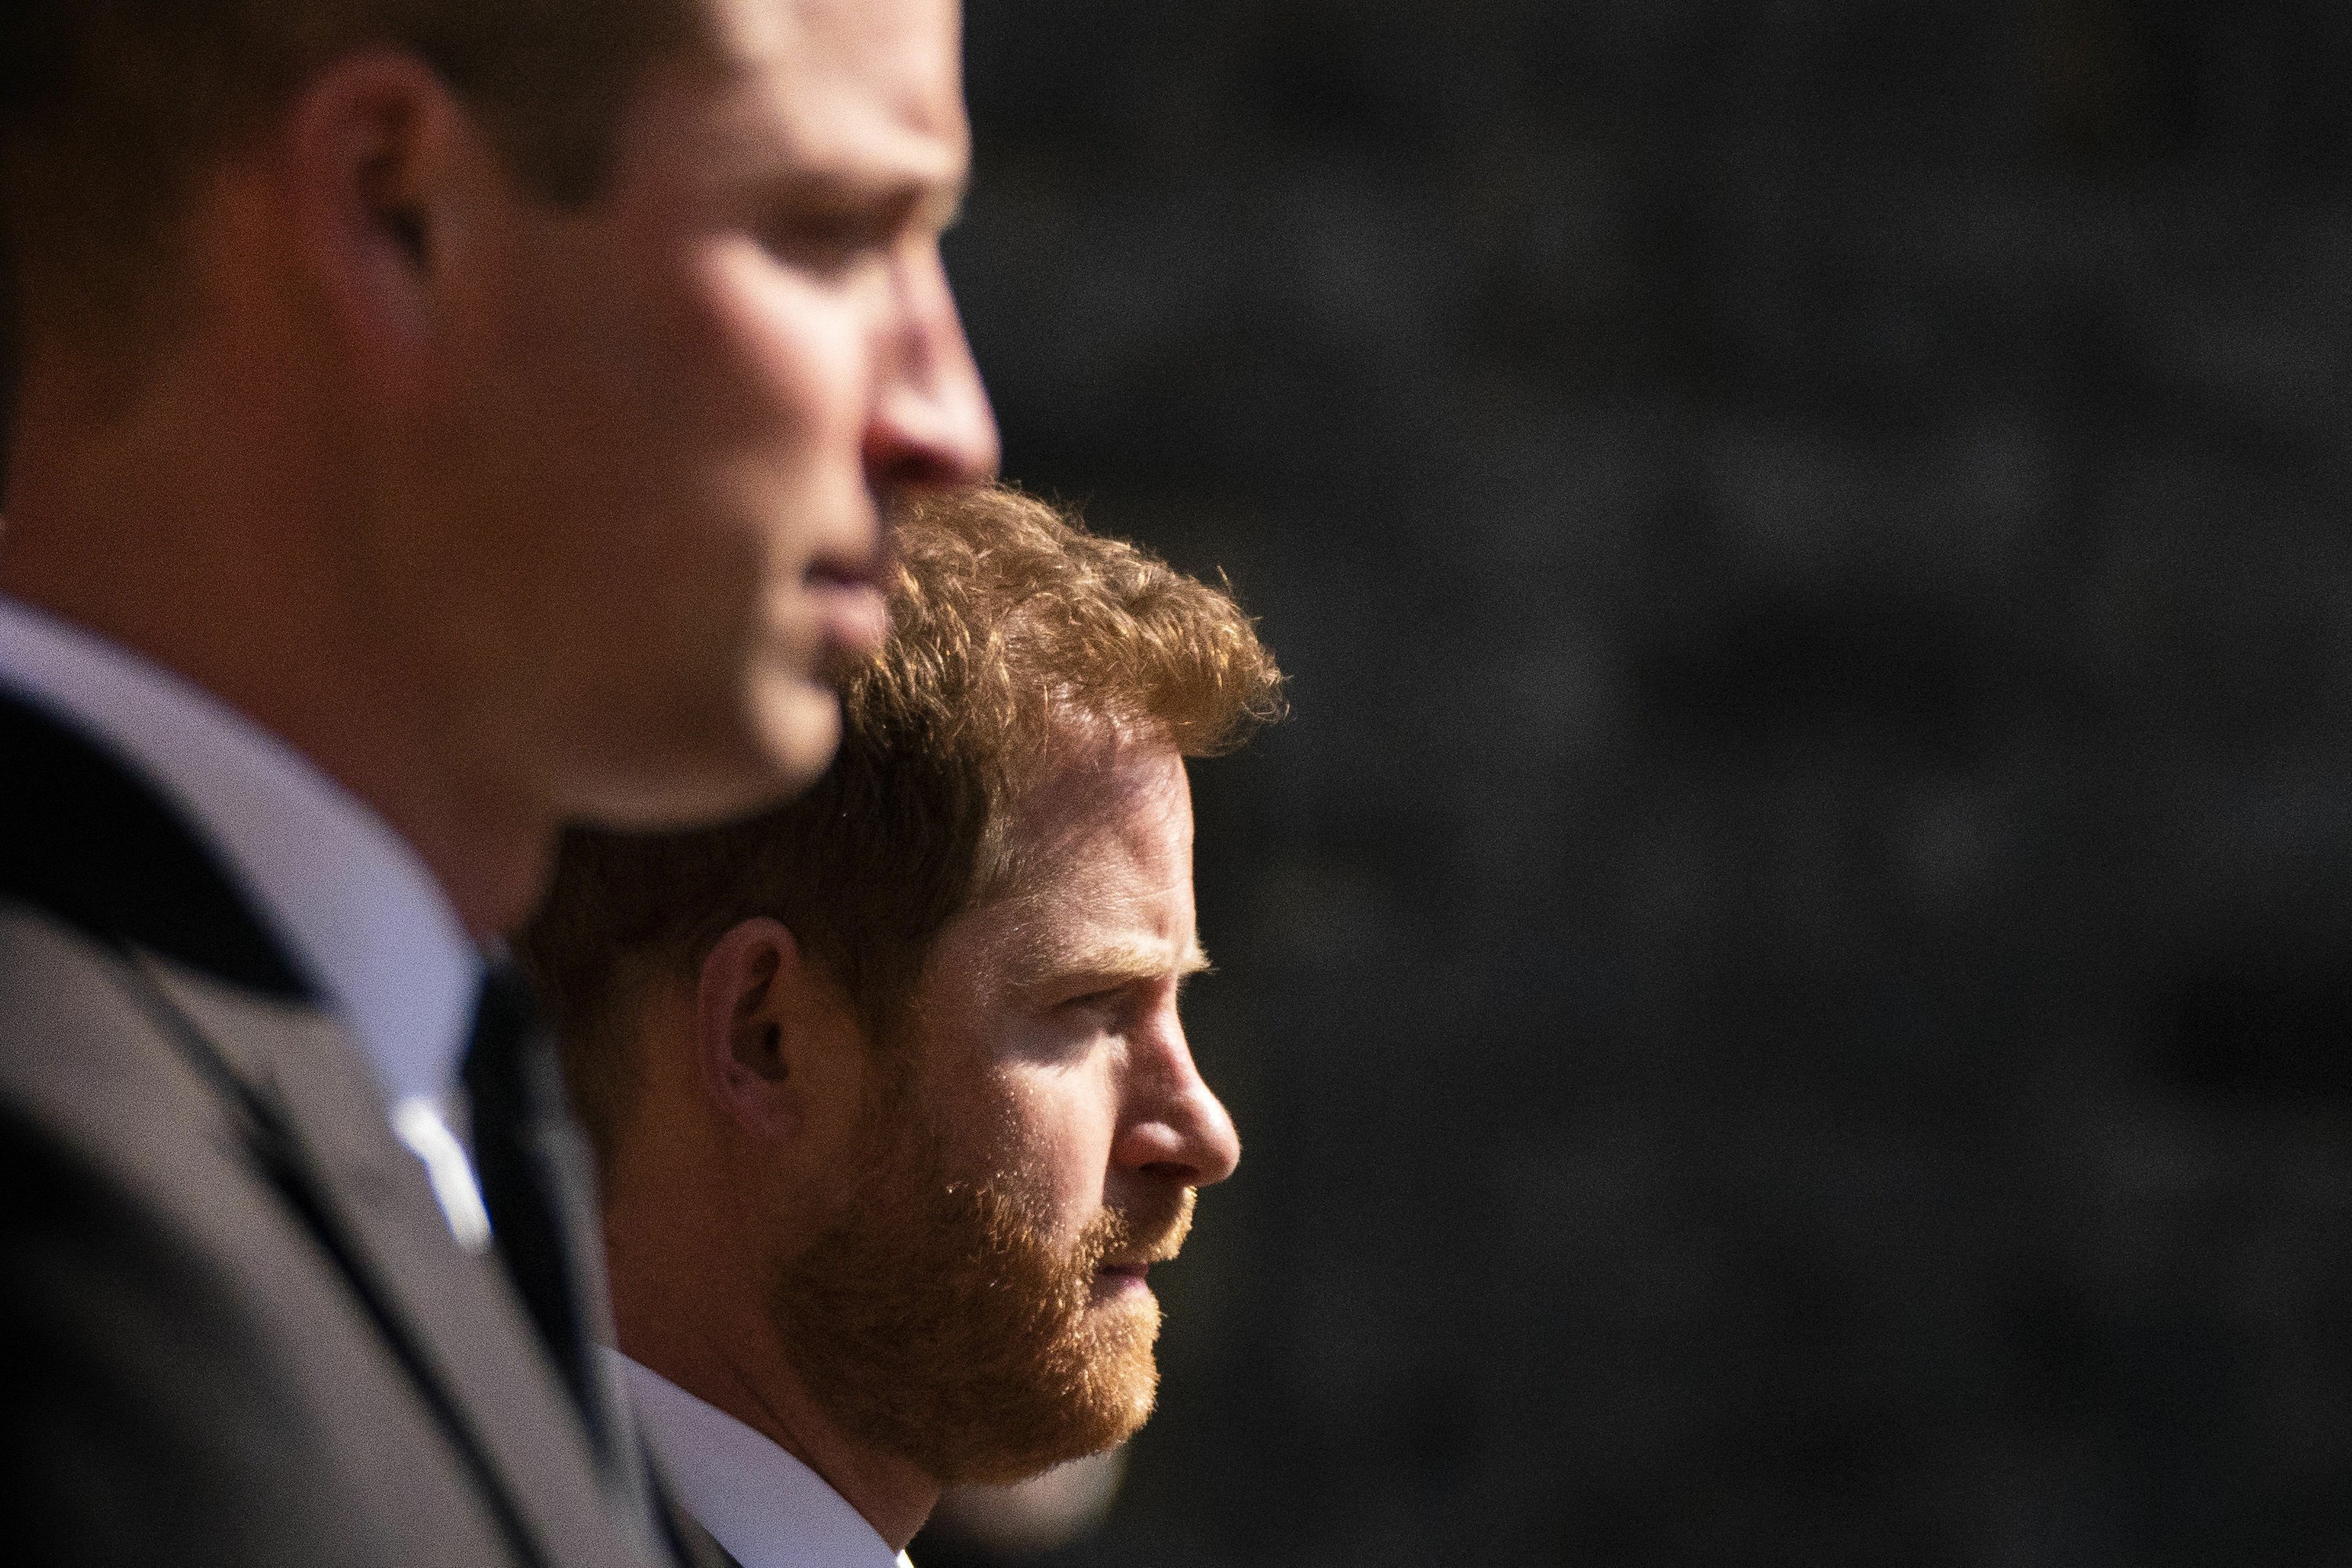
234, 1325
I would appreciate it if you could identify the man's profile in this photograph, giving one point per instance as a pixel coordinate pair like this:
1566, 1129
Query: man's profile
428, 421
892, 1101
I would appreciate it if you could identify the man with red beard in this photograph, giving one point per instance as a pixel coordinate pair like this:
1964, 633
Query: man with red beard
889, 1093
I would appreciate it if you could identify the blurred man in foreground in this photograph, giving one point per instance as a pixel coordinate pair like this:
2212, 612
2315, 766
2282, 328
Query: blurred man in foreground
888, 1087
432, 421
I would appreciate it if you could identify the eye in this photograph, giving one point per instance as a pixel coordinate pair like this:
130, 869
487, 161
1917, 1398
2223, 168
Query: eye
833, 227
1102, 1001
824, 249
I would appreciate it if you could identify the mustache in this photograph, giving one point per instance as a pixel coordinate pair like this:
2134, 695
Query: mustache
1151, 1230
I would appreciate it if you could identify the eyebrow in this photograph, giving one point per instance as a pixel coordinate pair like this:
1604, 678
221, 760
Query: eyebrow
1114, 962
932, 204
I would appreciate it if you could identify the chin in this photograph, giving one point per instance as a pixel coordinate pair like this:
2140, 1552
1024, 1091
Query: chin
784, 748
799, 728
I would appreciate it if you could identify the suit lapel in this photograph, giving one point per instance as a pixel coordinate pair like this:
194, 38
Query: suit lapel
87, 841
449, 1312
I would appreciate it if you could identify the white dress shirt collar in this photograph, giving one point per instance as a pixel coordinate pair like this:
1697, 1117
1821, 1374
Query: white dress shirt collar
766, 1507
348, 898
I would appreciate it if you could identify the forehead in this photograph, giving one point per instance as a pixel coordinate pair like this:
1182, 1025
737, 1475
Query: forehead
1100, 859
1114, 799
852, 81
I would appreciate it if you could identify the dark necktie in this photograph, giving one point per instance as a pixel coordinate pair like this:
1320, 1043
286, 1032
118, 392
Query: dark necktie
539, 1189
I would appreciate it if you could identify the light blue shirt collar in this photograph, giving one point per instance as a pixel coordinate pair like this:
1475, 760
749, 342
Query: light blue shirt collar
348, 898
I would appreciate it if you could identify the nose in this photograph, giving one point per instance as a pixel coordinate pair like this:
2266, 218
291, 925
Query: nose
1175, 1127
930, 423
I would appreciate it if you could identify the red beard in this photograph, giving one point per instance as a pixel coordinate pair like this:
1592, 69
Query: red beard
937, 1320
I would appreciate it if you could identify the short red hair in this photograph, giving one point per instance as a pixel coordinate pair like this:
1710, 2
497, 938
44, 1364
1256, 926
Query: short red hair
1013, 629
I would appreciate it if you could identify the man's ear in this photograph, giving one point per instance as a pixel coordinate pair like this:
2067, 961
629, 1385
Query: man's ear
762, 1014
372, 151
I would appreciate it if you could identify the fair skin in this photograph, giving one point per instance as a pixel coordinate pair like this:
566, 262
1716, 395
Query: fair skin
1050, 1025
505, 513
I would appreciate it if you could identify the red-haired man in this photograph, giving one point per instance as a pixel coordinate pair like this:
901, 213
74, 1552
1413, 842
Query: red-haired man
894, 1106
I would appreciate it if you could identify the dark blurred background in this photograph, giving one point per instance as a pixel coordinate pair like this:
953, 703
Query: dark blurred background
1788, 988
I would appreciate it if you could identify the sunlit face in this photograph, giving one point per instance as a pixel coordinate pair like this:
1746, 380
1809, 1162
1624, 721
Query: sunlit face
982, 1307
663, 421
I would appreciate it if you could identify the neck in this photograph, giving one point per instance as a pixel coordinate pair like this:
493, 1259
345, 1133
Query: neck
716, 1340
193, 532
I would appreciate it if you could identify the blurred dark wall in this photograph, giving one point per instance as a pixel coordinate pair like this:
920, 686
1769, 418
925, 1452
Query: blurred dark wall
1787, 988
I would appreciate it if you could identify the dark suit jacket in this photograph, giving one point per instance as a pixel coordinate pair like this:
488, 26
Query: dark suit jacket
234, 1326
